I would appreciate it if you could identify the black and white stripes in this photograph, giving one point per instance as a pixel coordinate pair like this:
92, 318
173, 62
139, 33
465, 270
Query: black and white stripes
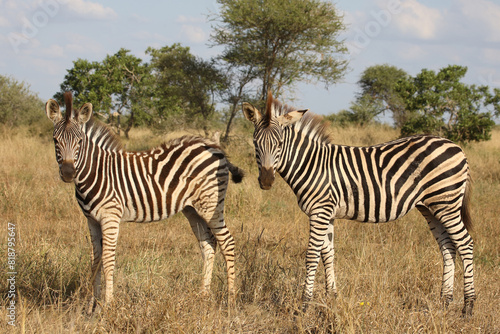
113, 185
368, 184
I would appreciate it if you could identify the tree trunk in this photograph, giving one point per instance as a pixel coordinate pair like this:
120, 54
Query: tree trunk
234, 109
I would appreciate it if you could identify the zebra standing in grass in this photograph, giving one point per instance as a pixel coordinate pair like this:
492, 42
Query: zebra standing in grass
188, 174
369, 184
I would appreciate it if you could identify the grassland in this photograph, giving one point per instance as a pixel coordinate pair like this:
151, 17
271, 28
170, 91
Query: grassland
389, 275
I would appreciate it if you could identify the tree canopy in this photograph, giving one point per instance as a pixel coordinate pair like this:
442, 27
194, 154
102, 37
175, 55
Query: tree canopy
283, 42
379, 83
116, 86
18, 104
186, 85
439, 103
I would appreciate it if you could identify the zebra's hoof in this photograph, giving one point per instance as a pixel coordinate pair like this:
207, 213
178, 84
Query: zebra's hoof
446, 300
467, 310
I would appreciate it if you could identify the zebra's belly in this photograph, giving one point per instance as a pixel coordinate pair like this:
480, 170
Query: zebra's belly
145, 215
371, 214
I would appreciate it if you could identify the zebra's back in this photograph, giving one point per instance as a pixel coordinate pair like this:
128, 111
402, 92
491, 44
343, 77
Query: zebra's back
383, 182
156, 184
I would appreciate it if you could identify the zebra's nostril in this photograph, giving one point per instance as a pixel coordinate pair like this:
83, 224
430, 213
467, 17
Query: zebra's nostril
266, 178
67, 171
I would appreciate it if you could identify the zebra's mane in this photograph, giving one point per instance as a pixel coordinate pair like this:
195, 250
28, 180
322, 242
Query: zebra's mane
315, 127
106, 138
102, 135
191, 140
311, 124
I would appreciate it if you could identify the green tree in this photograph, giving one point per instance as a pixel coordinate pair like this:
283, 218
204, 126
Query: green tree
440, 104
362, 112
130, 82
18, 104
187, 85
88, 82
237, 91
284, 41
379, 82
119, 85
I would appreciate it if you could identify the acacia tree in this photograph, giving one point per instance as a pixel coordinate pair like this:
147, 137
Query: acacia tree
440, 104
186, 85
236, 92
379, 84
284, 41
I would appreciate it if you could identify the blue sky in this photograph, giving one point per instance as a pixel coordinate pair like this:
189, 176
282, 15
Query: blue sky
40, 39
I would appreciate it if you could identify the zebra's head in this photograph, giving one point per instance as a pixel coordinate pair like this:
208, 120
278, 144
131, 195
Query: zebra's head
68, 133
268, 136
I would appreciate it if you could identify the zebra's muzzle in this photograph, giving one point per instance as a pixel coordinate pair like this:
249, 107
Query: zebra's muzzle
266, 178
67, 171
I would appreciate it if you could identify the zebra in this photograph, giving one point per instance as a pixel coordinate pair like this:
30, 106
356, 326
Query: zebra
112, 185
368, 184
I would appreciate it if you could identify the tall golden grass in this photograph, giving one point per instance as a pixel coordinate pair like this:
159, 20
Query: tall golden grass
389, 275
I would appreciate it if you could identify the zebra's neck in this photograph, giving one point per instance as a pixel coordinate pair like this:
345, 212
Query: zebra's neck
102, 136
91, 160
300, 155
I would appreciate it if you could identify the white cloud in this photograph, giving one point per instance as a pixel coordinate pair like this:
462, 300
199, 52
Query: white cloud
89, 9
53, 51
189, 19
483, 16
194, 34
140, 19
148, 36
411, 52
418, 20
4, 22
50, 67
80, 46
491, 55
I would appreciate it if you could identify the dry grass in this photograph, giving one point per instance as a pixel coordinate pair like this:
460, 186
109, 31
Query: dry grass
389, 275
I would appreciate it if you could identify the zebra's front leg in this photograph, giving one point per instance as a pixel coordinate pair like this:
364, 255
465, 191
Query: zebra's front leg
110, 229
95, 280
317, 234
328, 258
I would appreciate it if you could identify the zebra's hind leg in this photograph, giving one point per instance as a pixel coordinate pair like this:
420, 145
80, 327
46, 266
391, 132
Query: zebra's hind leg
95, 280
455, 230
207, 243
448, 252
217, 225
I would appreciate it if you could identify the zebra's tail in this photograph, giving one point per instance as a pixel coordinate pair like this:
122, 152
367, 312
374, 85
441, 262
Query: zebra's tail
236, 172
465, 211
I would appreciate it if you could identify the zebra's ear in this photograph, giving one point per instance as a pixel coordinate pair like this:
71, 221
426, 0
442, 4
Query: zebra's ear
84, 113
291, 117
251, 113
53, 111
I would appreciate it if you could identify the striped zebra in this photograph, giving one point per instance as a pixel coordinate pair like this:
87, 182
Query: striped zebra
113, 185
368, 184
